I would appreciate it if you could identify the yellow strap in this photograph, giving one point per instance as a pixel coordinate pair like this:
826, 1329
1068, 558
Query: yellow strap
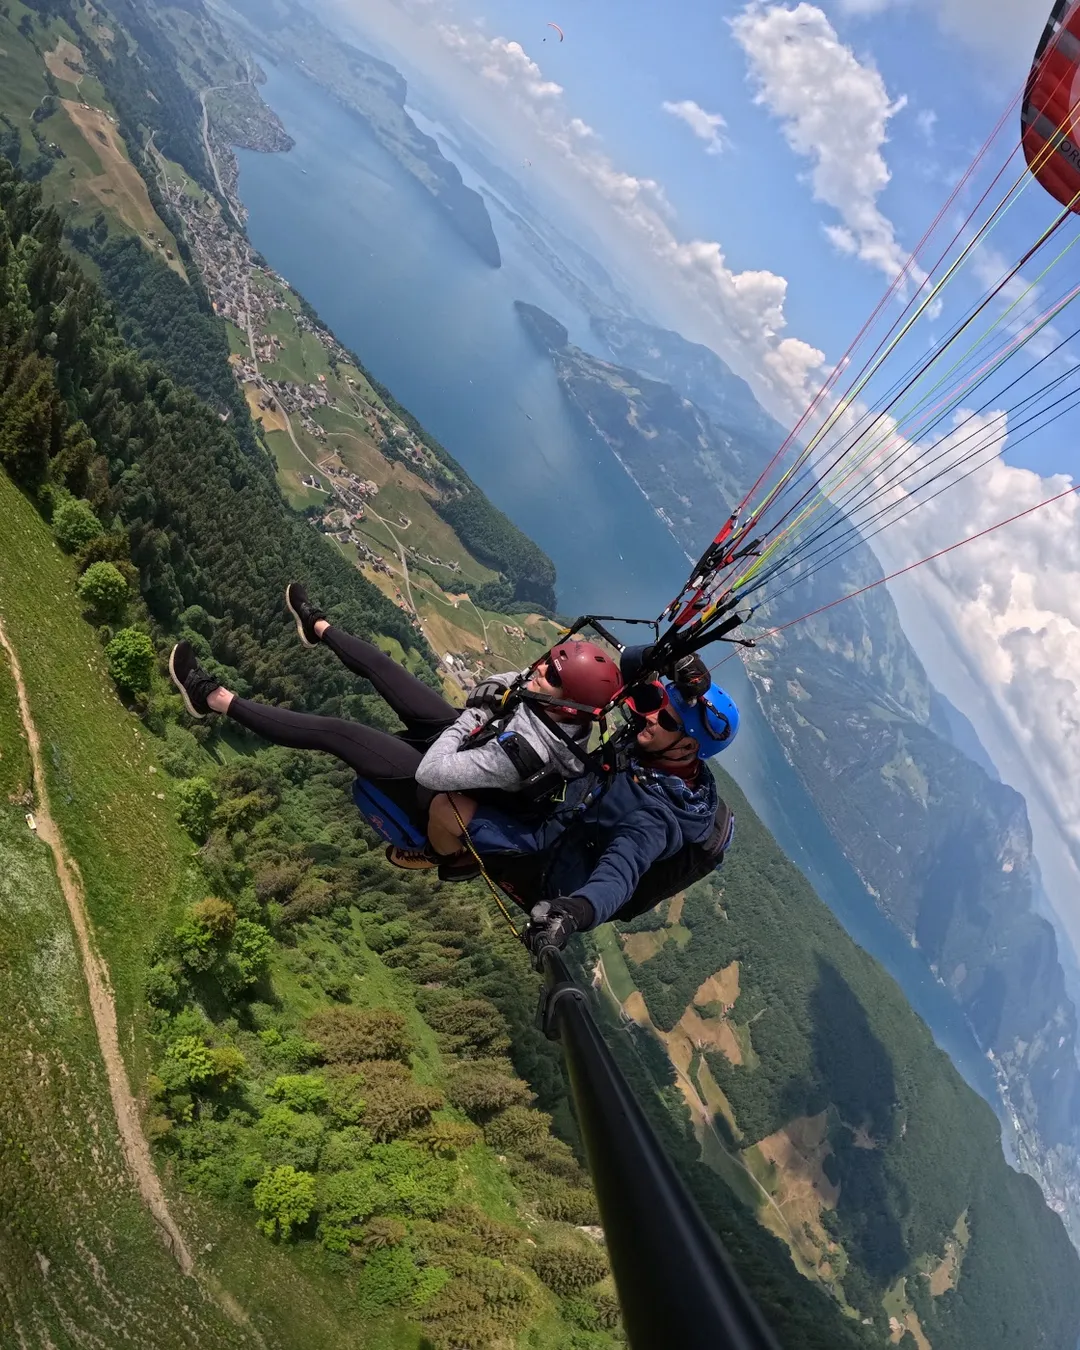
483, 870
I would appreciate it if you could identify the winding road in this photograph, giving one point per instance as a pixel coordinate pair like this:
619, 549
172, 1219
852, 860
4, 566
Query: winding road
211, 157
234, 206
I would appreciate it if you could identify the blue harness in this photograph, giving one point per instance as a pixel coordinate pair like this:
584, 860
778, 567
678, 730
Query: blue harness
387, 818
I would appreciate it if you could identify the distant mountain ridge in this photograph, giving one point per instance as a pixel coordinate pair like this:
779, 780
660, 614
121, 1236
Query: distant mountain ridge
944, 848
376, 91
698, 374
948, 721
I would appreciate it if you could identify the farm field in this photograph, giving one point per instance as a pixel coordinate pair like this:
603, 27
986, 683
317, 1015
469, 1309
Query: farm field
94, 171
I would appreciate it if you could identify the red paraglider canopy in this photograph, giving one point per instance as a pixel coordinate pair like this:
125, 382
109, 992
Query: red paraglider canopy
1051, 115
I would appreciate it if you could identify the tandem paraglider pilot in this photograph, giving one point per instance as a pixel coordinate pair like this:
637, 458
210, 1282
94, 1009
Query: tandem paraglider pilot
621, 840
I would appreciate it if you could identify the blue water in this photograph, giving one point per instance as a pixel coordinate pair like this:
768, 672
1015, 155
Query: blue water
364, 243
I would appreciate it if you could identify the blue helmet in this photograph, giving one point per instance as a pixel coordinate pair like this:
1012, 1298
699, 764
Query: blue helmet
712, 719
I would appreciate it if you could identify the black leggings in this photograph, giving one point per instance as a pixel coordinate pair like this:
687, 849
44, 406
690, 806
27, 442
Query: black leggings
424, 712
376, 755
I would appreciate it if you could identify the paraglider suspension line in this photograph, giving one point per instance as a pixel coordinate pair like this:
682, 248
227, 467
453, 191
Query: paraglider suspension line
484, 872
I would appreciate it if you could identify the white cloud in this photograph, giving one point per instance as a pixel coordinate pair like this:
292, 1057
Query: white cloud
746, 308
1012, 599
926, 121
580, 129
502, 62
706, 126
835, 112
1002, 30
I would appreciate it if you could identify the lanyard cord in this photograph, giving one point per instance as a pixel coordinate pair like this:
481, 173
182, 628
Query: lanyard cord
483, 870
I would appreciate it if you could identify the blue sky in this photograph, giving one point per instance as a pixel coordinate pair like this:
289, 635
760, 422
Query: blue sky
620, 63
844, 126
937, 95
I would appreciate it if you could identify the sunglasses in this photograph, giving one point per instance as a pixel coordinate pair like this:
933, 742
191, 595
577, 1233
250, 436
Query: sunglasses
648, 702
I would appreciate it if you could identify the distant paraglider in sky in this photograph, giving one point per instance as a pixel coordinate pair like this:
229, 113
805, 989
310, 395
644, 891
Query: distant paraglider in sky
562, 35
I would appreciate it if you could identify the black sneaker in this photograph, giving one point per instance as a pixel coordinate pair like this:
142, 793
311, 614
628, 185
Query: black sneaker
459, 867
194, 683
304, 612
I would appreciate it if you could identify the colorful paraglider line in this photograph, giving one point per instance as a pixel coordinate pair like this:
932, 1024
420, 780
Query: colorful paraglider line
869, 461
920, 562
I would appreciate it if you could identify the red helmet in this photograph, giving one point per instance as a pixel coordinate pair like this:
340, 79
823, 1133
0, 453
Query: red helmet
585, 674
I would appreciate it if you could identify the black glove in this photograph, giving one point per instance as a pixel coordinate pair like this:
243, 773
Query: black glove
489, 695
552, 923
692, 676
635, 664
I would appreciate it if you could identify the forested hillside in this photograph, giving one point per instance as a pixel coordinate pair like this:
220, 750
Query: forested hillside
818, 1094
336, 1064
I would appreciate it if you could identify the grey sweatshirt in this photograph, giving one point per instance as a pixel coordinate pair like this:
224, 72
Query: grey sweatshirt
446, 769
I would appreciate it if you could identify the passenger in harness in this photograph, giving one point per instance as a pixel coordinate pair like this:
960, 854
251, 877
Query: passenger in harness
522, 746
624, 837
526, 738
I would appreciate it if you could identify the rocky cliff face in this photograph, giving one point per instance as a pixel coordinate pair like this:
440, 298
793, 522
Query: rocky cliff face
943, 847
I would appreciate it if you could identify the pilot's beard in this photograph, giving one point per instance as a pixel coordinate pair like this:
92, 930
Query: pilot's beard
680, 759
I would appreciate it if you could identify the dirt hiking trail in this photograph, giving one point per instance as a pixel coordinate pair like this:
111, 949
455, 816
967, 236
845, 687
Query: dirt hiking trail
102, 1004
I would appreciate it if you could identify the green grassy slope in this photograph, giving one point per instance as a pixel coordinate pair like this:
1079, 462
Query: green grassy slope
77, 1247
103, 778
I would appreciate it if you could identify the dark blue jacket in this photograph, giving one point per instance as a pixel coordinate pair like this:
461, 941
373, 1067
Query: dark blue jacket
600, 844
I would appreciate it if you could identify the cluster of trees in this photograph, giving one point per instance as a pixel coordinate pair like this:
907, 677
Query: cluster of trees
496, 541
162, 318
912, 1147
36, 166
106, 587
302, 852
351, 1130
